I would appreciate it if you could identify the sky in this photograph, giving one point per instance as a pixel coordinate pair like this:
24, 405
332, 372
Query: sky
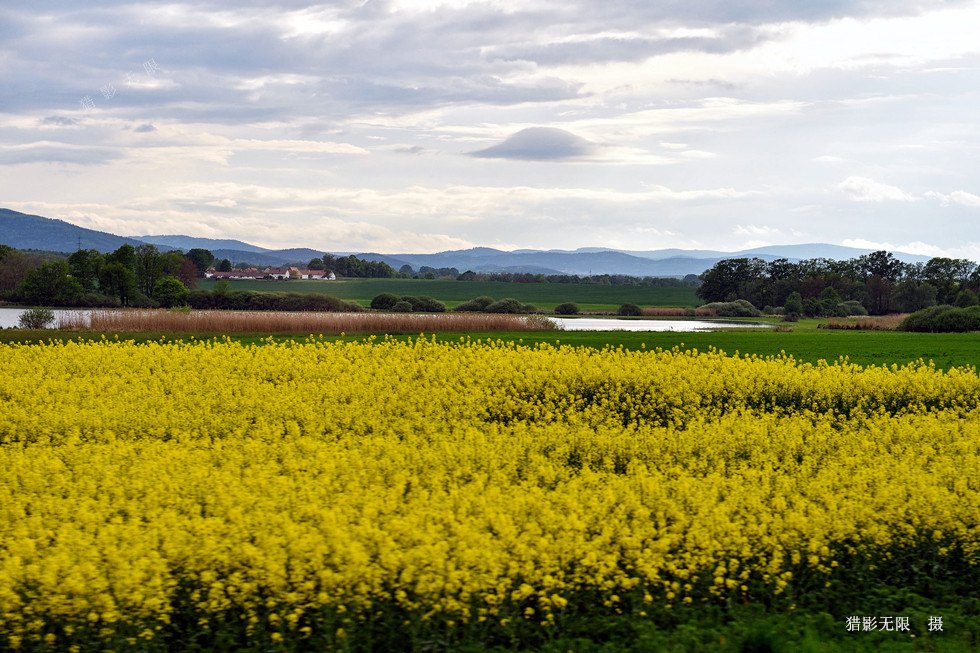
419, 126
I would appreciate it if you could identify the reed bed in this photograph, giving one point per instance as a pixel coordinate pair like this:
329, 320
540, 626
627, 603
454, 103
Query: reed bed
867, 323
299, 322
676, 311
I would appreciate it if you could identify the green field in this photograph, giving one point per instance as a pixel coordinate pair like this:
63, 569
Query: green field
546, 296
860, 347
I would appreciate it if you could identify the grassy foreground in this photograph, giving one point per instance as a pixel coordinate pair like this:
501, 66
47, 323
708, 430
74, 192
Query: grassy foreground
543, 295
945, 351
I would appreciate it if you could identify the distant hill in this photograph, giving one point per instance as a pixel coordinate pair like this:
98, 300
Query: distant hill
187, 243
24, 231
35, 232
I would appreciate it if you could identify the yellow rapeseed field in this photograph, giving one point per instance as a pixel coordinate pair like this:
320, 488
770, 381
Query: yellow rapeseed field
294, 489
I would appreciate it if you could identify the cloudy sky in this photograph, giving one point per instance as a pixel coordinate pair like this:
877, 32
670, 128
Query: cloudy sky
422, 125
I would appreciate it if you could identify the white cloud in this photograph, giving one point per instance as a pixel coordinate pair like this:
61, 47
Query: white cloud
965, 199
862, 189
960, 197
753, 230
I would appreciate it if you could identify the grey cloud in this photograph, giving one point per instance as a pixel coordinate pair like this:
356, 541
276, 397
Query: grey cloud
540, 144
632, 48
54, 153
142, 129
59, 121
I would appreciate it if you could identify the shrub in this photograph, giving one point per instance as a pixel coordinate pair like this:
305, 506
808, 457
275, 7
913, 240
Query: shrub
794, 304
630, 310
737, 308
530, 308
854, 307
507, 305
385, 301
423, 304
142, 301
36, 318
568, 308
169, 292
943, 319
96, 300
477, 305
402, 307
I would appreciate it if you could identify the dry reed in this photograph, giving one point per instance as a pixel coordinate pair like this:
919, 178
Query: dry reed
666, 311
867, 323
300, 322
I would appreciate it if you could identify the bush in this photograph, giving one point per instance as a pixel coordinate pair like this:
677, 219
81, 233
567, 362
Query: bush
854, 307
507, 305
737, 308
36, 318
943, 319
169, 292
476, 305
402, 307
794, 304
96, 300
568, 308
629, 310
142, 301
423, 304
384, 301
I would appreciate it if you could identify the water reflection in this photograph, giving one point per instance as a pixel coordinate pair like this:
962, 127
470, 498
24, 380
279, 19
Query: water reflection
613, 324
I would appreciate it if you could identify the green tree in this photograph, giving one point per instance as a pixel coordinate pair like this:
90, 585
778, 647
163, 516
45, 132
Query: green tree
147, 268
224, 265
169, 264
84, 266
118, 280
793, 305
125, 255
49, 284
202, 258
14, 266
170, 292
188, 274
910, 296
966, 298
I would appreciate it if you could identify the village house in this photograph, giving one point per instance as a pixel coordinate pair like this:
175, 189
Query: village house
271, 273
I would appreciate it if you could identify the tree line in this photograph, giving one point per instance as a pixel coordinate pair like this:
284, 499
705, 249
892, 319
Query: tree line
129, 276
878, 281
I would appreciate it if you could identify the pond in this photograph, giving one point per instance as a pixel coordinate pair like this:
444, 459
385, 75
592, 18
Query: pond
614, 324
10, 316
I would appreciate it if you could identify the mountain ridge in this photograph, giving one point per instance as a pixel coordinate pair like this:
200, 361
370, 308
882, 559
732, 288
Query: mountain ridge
25, 231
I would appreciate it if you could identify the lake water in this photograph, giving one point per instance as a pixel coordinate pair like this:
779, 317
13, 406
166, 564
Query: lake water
10, 316
613, 324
